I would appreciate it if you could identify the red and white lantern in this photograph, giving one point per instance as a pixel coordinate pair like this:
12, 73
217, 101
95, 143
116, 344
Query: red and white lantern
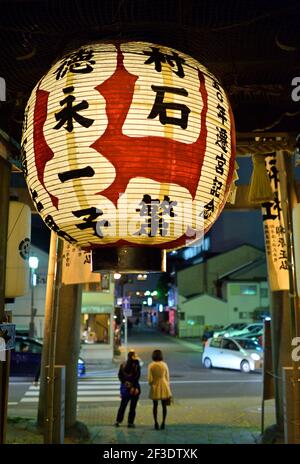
128, 144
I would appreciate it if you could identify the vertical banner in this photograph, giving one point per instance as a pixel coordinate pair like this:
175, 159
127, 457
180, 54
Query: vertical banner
296, 228
274, 226
76, 266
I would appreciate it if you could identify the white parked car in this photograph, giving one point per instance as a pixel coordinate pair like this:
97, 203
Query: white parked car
232, 353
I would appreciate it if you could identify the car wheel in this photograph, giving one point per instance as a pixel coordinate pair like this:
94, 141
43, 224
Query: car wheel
245, 367
207, 363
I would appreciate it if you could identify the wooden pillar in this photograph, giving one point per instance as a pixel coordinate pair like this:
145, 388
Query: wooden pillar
68, 345
66, 350
47, 328
5, 169
281, 347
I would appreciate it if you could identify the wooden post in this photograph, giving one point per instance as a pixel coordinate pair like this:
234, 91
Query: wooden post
5, 170
47, 327
67, 340
68, 346
52, 347
289, 201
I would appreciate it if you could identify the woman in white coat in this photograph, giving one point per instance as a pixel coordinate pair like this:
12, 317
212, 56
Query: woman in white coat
159, 381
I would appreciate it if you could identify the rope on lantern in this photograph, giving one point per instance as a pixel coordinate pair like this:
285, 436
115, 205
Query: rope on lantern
260, 187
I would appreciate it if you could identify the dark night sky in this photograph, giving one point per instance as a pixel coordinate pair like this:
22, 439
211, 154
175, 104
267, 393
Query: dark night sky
234, 228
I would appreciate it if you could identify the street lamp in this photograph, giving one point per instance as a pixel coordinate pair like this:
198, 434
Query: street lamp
33, 264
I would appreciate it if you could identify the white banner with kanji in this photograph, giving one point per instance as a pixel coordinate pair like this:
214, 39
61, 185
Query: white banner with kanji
274, 226
76, 266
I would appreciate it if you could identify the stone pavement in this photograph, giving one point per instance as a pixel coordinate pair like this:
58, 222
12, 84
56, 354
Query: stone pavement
189, 421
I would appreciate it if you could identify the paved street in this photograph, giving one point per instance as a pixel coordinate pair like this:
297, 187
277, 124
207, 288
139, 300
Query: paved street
210, 406
188, 378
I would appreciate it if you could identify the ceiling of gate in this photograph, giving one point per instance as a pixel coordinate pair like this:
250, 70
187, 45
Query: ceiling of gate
253, 47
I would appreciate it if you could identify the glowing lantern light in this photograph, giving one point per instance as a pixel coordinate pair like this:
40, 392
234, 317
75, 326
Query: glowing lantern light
128, 145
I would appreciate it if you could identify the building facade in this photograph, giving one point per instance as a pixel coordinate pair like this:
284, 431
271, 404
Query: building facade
226, 292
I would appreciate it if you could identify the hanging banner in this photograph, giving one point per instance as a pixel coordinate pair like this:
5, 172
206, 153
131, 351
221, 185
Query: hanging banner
296, 225
18, 247
76, 266
274, 226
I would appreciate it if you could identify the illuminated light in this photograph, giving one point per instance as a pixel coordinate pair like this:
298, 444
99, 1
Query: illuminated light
147, 293
115, 317
112, 127
160, 308
154, 293
149, 301
34, 280
144, 302
33, 262
194, 250
117, 276
137, 293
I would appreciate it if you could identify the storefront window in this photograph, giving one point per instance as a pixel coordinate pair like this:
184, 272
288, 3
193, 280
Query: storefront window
95, 328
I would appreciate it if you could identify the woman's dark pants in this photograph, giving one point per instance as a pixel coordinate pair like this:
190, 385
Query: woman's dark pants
131, 416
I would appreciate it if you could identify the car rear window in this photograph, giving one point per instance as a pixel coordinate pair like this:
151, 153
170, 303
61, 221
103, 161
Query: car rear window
229, 345
35, 347
27, 346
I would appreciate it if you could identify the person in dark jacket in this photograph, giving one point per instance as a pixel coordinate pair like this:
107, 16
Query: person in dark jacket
129, 375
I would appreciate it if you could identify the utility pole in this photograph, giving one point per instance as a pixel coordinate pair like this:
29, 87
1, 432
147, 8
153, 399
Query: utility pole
291, 384
33, 264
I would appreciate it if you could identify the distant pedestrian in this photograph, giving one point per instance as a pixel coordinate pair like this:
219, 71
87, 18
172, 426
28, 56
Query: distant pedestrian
159, 381
129, 375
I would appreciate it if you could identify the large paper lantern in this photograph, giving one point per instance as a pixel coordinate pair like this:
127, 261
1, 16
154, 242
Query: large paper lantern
128, 144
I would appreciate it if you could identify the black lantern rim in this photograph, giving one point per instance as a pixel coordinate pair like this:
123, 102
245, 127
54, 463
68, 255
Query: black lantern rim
128, 260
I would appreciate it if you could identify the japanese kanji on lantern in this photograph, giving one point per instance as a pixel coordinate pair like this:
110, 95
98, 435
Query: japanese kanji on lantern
128, 144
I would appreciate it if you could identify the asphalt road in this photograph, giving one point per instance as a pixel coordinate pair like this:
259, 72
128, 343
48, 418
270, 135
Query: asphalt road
188, 378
